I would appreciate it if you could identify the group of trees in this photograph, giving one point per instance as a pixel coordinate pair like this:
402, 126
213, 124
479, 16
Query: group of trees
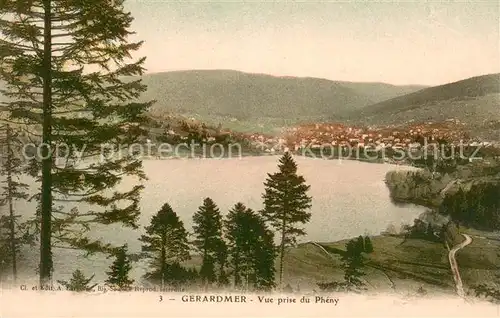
238, 249
68, 81
118, 275
423, 230
479, 207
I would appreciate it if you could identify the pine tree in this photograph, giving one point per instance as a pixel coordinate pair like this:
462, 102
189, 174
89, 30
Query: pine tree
78, 282
286, 204
360, 243
251, 248
368, 245
221, 255
353, 263
191, 276
165, 244
236, 239
208, 239
177, 275
264, 256
11, 230
69, 83
207, 270
118, 275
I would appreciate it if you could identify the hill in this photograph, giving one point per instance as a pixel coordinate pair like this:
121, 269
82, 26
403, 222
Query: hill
245, 96
473, 101
398, 265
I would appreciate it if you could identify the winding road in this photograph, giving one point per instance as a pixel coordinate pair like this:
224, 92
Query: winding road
454, 264
451, 257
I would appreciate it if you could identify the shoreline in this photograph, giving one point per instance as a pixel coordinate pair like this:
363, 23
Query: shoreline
248, 155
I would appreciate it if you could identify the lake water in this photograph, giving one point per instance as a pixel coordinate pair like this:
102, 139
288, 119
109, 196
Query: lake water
349, 199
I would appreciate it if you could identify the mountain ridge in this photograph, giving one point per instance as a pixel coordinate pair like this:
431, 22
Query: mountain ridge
246, 95
474, 101
475, 86
228, 70
249, 101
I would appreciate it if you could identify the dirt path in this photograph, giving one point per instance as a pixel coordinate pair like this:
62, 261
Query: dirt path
454, 264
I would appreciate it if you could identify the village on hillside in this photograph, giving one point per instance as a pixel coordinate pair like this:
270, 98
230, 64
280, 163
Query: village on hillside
320, 135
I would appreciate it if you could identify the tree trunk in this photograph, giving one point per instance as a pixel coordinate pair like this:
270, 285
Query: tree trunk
46, 199
204, 280
237, 278
12, 223
282, 252
163, 259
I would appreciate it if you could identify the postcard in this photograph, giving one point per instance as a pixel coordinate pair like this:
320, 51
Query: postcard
249, 158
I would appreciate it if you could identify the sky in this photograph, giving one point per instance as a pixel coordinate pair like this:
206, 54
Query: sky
410, 42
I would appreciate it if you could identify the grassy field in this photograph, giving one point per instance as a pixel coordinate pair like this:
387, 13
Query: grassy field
397, 265
479, 262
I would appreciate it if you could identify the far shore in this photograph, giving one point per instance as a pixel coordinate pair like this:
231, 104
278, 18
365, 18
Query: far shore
247, 155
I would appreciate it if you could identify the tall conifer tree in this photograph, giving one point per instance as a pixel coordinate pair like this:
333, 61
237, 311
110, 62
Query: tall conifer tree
11, 228
166, 245
208, 240
222, 255
236, 240
286, 204
251, 248
264, 255
353, 263
70, 83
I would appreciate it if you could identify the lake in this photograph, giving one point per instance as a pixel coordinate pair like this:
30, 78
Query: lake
349, 199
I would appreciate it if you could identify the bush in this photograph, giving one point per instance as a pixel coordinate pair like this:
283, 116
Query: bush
78, 282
